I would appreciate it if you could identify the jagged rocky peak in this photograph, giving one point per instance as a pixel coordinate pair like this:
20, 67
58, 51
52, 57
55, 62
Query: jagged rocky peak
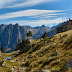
16, 24
43, 25
9, 34
27, 27
2, 25
10, 24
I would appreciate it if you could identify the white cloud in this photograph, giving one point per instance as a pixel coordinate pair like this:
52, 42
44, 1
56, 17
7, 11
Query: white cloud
39, 22
48, 15
30, 13
5, 3
42, 17
21, 3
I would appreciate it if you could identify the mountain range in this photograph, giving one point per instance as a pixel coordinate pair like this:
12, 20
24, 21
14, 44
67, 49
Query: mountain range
9, 34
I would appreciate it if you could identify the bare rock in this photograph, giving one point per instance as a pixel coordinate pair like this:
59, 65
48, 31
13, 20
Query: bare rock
68, 65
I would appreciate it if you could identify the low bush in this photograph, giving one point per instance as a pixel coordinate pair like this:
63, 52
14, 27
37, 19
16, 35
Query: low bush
54, 53
27, 70
69, 40
56, 63
1, 62
26, 63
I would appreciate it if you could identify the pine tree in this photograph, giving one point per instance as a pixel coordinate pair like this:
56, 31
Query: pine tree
44, 35
2, 49
25, 41
18, 41
29, 33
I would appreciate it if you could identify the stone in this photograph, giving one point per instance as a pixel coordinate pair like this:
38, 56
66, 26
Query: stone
50, 57
59, 53
53, 69
7, 58
68, 65
21, 65
12, 69
53, 44
45, 71
59, 60
12, 61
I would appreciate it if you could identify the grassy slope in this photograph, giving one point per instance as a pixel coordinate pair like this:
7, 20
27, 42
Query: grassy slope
51, 54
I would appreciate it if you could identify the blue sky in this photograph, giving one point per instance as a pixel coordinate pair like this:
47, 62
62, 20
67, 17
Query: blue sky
35, 12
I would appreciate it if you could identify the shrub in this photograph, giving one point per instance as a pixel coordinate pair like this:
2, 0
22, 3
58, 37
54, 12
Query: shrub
69, 40
25, 41
44, 35
34, 49
26, 63
55, 63
1, 62
2, 49
54, 53
29, 33
46, 62
27, 70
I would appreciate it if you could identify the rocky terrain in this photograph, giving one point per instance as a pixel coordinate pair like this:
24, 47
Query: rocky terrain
52, 54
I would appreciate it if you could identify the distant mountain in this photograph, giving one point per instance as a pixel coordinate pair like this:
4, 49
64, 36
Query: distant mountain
41, 30
53, 27
9, 34
51, 33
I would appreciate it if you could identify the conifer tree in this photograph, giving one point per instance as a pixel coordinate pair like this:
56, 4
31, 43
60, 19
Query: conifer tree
44, 35
18, 41
29, 34
2, 49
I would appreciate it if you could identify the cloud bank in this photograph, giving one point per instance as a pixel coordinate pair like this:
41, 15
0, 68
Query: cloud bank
31, 13
40, 22
37, 16
22, 3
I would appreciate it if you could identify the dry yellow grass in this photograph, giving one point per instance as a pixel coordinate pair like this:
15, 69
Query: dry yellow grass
52, 53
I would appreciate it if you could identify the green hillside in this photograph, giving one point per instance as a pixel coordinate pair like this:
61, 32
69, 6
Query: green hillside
51, 53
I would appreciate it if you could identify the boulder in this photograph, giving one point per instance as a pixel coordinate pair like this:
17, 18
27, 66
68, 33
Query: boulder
68, 65
22, 65
45, 71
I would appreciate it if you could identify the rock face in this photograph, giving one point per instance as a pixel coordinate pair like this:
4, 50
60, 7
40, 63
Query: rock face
9, 34
45, 71
51, 33
68, 65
